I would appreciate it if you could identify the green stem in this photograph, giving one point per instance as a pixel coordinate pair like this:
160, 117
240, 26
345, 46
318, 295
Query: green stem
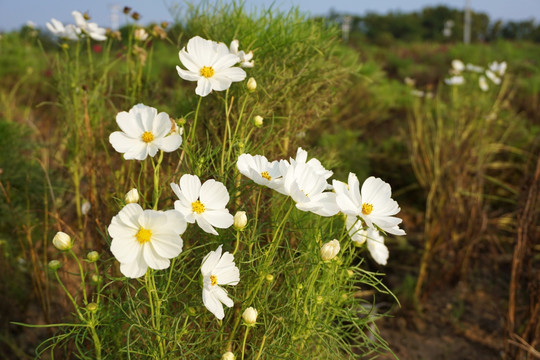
156, 179
244, 342
192, 131
69, 296
81, 271
227, 130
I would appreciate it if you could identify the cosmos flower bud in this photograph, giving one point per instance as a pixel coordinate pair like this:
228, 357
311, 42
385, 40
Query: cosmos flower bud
330, 250
55, 265
258, 121
132, 196
92, 256
92, 307
240, 220
62, 241
250, 316
228, 356
95, 278
269, 277
251, 84
85, 207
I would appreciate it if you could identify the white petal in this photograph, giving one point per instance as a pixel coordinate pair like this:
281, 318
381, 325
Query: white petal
176, 221
167, 245
161, 125
204, 87
125, 249
233, 73
190, 186
219, 218
187, 75
221, 295
153, 259
135, 268
169, 143
212, 303
205, 225
225, 62
138, 152
188, 61
210, 261
220, 83
214, 194
122, 142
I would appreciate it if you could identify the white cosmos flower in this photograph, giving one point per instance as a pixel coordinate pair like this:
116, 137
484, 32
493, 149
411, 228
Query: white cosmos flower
474, 68
455, 80
245, 59
70, 31
491, 75
218, 270
482, 82
315, 164
90, 28
457, 66
375, 242
307, 189
144, 132
145, 238
210, 64
498, 68
373, 203
261, 171
204, 204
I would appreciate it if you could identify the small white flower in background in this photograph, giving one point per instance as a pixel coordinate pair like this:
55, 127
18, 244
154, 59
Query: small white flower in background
457, 66
85, 207
375, 244
329, 250
31, 24
240, 220
132, 196
204, 204
258, 121
144, 132
62, 241
58, 29
210, 64
482, 82
261, 171
217, 270
494, 78
455, 80
417, 93
251, 84
90, 28
145, 238
250, 316
228, 356
373, 203
474, 68
409, 81
245, 59
140, 34
498, 68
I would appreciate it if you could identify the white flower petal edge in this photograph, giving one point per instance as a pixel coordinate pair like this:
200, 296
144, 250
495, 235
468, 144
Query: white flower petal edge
210, 64
145, 238
218, 269
204, 204
144, 132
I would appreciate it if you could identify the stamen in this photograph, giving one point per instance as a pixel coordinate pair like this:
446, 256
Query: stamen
265, 175
367, 208
213, 279
143, 236
207, 71
198, 207
147, 137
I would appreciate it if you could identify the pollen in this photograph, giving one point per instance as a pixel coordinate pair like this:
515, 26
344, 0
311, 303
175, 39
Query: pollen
367, 208
207, 71
143, 236
213, 279
147, 137
265, 175
197, 207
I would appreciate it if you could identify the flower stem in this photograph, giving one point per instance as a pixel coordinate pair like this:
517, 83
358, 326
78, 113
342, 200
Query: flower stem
192, 131
81, 271
244, 342
156, 179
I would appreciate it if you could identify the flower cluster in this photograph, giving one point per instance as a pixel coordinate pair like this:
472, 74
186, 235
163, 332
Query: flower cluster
74, 32
494, 72
369, 208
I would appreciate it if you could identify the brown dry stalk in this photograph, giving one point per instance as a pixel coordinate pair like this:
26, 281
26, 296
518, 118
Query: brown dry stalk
525, 222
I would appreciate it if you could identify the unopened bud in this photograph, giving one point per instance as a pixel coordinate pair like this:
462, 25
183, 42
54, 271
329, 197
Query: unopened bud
250, 316
330, 250
55, 265
92, 307
269, 277
258, 121
228, 356
92, 256
96, 279
85, 207
240, 220
62, 241
132, 196
251, 84
319, 299
135, 15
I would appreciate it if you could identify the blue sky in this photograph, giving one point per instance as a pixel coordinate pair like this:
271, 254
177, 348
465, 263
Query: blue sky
15, 13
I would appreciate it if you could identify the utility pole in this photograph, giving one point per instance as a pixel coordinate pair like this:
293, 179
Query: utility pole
467, 23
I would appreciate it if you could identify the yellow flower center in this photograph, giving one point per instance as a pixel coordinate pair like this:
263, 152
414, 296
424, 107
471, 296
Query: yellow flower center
143, 236
367, 208
147, 137
213, 279
197, 207
265, 175
207, 71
